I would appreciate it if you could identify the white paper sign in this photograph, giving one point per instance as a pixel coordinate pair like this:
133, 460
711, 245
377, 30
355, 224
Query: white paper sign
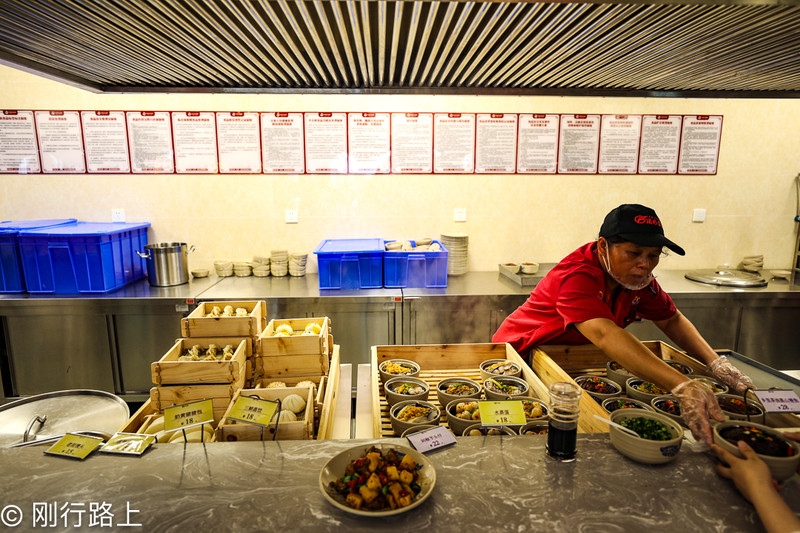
150, 141
431, 439
658, 147
106, 142
412, 143
368, 143
18, 151
700, 144
779, 401
60, 142
578, 144
239, 142
282, 143
496, 149
195, 137
326, 143
537, 143
453, 143
619, 144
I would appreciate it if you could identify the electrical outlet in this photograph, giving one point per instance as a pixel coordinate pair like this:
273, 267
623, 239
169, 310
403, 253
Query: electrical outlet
291, 216
460, 214
699, 215
117, 215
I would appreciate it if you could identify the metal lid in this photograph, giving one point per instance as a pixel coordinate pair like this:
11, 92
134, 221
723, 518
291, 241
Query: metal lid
727, 277
62, 412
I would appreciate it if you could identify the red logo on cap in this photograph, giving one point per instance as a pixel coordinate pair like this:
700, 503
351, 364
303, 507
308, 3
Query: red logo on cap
647, 219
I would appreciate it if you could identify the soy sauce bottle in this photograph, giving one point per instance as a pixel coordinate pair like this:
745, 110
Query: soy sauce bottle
562, 432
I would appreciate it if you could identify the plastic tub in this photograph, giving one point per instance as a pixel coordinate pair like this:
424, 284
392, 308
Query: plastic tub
415, 269
12, 278
350, 263
87, 257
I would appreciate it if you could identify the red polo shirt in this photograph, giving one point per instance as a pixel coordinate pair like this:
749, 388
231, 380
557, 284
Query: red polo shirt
575, 291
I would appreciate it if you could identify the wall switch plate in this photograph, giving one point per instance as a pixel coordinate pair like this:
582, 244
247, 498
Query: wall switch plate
460, 214
291, 216
699, 215
117, 215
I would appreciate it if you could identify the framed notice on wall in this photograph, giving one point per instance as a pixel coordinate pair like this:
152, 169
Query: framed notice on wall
578, 144
412, 143
537, 143
496, 143
326, 143
619, 144
194, 135
19, 153
453, 143
239, 143
60, 142
282, 143
368, 143
150, 142
700, 138
106, 142
659, 144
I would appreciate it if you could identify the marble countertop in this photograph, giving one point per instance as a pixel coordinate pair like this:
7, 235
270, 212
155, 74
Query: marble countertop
483, 483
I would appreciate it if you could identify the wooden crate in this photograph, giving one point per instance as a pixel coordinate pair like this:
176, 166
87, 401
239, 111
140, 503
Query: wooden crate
169, 371
139, 418
168, 395
296, 355
319, 394
331, 396
232, 430
438, 362
198, 325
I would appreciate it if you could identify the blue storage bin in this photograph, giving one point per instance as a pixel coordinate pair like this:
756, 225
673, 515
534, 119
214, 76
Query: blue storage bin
12, 278
86, 257
350, 263
415, 269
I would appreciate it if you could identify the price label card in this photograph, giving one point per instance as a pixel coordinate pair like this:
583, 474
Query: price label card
502, 413
779, 401
252, 410
431, 439
75, 446
128, 443
188, 415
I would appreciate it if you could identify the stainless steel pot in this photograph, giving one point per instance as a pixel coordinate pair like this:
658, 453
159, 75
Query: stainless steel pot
167, 263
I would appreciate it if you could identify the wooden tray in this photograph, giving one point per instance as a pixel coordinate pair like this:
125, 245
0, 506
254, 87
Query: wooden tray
232, 430
169, 371
438, 362
198, 325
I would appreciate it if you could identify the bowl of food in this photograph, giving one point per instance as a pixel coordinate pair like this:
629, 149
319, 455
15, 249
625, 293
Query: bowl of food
479, 430
461, 414
735, 408
534, 408
407, 466
715, 386
599, 388
535, 427
614, 403
658, 437
680, 367
617, 373
450, 389
668, 405
505, 387
782, 455
405, 388
392, 368
499, 367
411, 413
643, 390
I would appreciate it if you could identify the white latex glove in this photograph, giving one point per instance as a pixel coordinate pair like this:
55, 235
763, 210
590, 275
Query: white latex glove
697, 403
729, 374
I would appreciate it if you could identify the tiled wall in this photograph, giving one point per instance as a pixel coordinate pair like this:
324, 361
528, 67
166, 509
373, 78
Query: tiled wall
750, 202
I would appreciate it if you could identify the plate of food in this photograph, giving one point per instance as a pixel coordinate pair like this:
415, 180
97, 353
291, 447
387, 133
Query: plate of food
379, 479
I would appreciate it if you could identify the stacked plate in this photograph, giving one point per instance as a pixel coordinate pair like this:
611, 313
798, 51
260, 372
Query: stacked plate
260, 266
279, 262
242, 269
297, 264
457, 244
753, 263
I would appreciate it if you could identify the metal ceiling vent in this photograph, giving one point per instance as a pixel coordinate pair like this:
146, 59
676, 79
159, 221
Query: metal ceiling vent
739, 49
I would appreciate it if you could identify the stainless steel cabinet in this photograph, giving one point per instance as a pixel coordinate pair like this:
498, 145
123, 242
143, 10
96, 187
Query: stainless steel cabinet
771, 334
717, 322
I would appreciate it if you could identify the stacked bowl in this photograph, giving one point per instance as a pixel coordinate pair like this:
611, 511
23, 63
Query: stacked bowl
457, 244
297, 264
279, 262
224, 268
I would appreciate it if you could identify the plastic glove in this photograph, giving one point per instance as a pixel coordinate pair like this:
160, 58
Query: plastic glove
697, 402
729, 374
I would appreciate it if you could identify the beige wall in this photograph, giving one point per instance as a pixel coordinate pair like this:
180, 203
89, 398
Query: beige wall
750, 202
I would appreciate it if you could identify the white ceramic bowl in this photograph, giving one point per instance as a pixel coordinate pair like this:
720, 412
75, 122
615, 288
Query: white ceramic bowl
386, 376
645, 450
535, 427
680, 367
529, 268
636, 394
613, 404
618, 375
781, 468
486, 431
659, 406
445, 398
200, 273
721, 397
522, 388
515, 369
393, 397
399, 426
457, 424
715, 386
582, 382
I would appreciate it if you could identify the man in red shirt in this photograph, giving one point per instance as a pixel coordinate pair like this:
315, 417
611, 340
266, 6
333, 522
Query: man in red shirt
597, 290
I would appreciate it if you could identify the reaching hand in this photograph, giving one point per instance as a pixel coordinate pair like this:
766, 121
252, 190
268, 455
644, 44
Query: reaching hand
750, 474
697, 403
724, 371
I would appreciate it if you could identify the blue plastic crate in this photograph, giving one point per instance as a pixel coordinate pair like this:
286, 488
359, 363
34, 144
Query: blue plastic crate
87, 257
415, 269
12, 278
350, 263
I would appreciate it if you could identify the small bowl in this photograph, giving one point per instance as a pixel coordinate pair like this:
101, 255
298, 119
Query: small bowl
613, 404
399, 426
636, 394
715, 386
737, 416
486, 431
522, 388
445, 398
200, 273
515, 369
512, 267
393, 397
658, 406
781, 468
618, 375
529, 268
607, 383
457, 424
386, 376
261, 273
535, 427
680, 367
545, 410
417, 429
644, 450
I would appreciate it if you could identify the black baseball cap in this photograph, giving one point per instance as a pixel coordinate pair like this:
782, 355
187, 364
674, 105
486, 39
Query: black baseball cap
639, 225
